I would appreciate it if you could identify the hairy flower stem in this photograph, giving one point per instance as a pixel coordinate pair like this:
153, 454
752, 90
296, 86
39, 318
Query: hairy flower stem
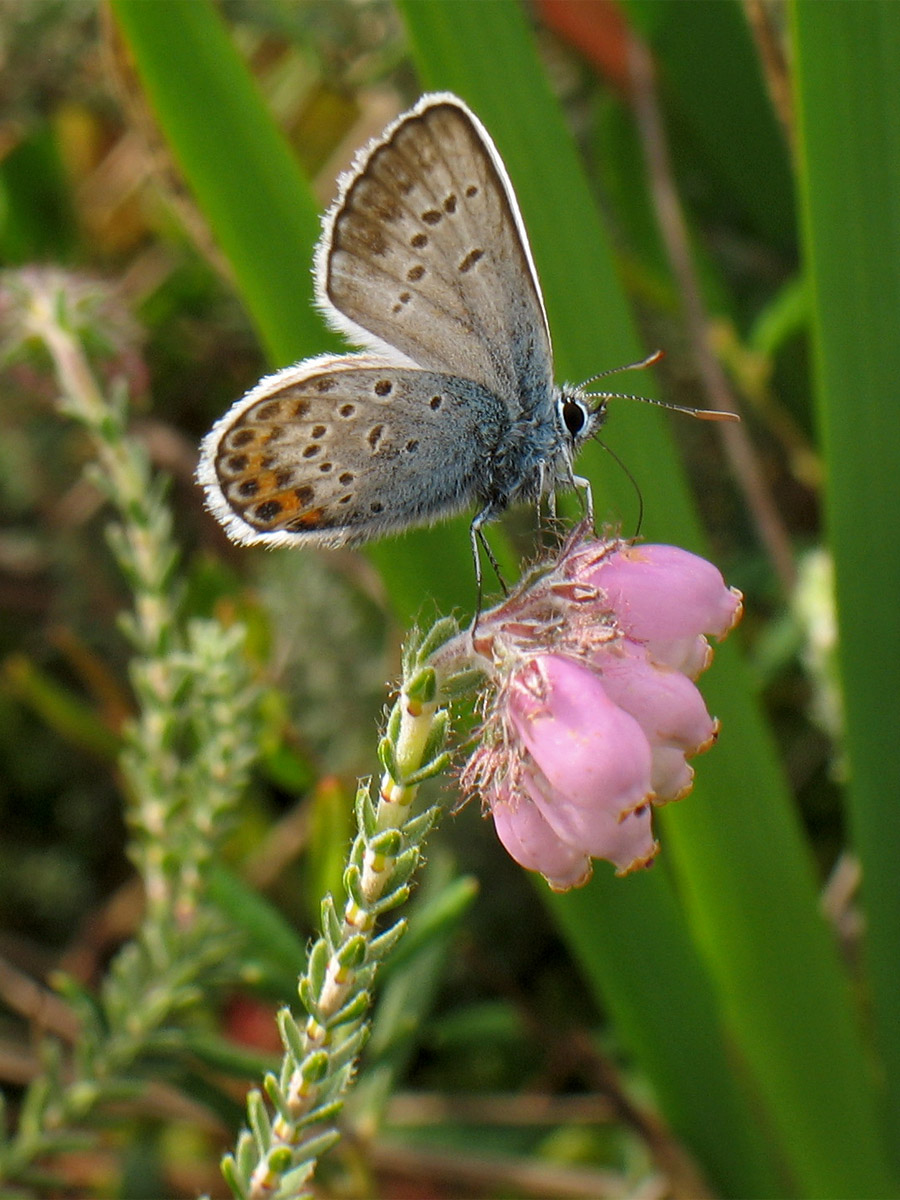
277, 1158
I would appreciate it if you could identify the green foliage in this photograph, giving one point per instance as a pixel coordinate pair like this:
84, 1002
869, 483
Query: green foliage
772, 1058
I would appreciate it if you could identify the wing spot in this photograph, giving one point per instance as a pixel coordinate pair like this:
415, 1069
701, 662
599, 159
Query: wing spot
450, 203
267, 411
471, 191
276, 432
319, 431
323, 384
411, 445
301, 408
471, 259
266, 462
249, 487
383, 387
238, 463
435, 402
419, 241
326, 467
306, 520
432, 216
283, 476
346, 477
268, 510
374, 436
405, 297
242, 437
414, 274
347, 410
311, 450
345, 499
305, 494
376, 506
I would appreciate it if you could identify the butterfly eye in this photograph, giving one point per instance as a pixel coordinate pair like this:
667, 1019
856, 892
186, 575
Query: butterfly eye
574, 417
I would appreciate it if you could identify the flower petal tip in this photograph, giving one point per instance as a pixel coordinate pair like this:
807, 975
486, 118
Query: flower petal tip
642, 863
561, 886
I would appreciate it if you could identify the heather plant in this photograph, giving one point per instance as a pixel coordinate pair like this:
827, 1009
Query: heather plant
722, 1023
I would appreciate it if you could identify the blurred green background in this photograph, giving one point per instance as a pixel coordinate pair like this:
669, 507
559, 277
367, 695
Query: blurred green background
716, 179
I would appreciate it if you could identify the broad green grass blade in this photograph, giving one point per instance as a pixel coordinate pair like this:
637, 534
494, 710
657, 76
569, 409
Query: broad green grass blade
245, 179
735, 843
848, 110
705, 56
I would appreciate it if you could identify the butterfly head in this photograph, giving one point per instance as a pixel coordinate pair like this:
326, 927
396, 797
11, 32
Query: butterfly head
578, 417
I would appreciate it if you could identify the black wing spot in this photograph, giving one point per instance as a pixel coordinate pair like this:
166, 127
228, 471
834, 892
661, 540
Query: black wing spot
419, 241
471, 191
346, 477
435, 402
268, 510
301, 408
284, 476
450, 203
383, 387
267, 411
347, 410
311, 450
305, 494
374, 436
324, 384
412, 445
249, 487
432, 216
325, 467
318, 431
414, 274
237, 463
241, 438
376, 506
471, 259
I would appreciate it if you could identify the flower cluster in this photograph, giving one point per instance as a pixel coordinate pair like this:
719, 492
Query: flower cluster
593, 710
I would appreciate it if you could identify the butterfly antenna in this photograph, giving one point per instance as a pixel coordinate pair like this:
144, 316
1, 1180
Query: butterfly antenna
702, 414
631, 478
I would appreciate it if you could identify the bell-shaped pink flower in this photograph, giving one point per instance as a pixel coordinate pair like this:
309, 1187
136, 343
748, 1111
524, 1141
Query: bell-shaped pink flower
662, 593
533, 844
594, 712
666, 705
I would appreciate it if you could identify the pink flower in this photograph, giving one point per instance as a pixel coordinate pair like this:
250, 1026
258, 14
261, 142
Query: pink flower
593, 712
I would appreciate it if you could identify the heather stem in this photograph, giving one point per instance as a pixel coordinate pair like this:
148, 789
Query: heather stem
275, 1159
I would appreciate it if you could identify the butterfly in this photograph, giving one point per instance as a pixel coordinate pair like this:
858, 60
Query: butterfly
424, 263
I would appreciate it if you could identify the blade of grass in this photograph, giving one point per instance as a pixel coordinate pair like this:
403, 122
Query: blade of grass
737, 846
848, 109
705, 52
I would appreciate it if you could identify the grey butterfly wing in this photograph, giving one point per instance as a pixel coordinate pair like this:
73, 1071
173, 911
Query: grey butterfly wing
425, 251
338, 450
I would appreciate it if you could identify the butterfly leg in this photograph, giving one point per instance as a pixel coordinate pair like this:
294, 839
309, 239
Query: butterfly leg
583, 487
480, 542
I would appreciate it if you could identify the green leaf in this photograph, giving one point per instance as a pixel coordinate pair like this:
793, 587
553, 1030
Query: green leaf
848, 112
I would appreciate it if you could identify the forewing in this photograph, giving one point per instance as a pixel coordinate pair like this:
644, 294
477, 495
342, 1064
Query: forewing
340, 450
425, 251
